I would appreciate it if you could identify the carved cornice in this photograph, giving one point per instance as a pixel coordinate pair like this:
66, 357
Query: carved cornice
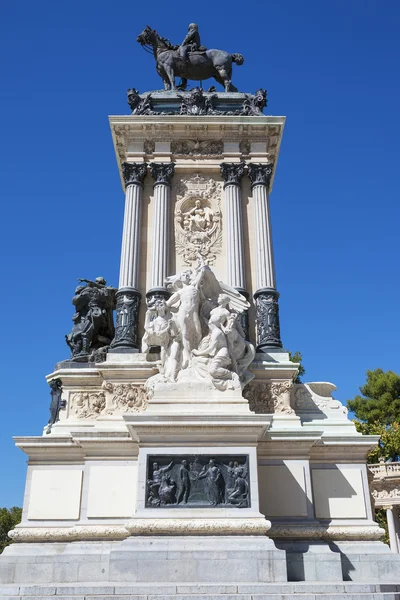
232, 173
162, 173
260, 174
134, 173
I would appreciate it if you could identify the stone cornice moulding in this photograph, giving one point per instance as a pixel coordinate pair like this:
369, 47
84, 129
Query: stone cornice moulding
69, 534
86, 444
172, 127
331, 532
199, 526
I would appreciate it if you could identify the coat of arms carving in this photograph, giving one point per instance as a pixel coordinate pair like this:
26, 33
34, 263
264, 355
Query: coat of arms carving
198, 227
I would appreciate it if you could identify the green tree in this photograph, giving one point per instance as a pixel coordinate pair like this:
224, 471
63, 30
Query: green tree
378, 413
389, 443
296, 357
380, 400
9, 518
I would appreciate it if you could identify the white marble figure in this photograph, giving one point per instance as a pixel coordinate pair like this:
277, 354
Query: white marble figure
199, 332
186, 297
161, 330
198, 218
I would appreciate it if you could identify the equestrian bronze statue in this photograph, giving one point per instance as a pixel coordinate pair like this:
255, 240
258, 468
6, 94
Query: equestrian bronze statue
190, 60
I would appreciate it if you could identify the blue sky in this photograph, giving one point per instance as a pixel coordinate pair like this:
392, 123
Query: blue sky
330, 67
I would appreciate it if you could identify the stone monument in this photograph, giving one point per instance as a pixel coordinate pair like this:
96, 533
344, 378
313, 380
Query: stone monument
179, 451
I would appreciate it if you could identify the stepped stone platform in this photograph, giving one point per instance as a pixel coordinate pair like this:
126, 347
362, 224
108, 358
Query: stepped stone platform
187, 591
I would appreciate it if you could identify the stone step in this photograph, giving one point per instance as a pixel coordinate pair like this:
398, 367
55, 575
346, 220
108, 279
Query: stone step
185, 591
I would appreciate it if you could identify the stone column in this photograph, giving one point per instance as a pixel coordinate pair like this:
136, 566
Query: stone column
396, 518
266, 297
128, 296
162, 174
392, 529
232, 174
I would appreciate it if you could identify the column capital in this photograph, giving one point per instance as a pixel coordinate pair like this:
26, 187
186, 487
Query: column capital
232, 173
134, 173
260, 173
162, 173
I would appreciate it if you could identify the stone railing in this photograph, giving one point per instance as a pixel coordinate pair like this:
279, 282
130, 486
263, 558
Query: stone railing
383, 470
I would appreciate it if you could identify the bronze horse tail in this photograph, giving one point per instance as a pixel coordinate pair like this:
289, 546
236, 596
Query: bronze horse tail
237, 58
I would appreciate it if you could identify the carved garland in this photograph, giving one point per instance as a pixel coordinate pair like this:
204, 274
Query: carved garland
269, 397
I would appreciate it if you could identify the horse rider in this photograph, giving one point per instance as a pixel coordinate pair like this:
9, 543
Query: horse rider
191, 43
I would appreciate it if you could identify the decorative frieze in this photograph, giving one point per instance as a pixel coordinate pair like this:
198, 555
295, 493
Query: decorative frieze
125, 397
112, 399
198, 481
269, 397
197, 147
87, 405
267, 319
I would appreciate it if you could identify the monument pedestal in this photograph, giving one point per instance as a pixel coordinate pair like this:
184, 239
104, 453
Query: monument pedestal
202, 469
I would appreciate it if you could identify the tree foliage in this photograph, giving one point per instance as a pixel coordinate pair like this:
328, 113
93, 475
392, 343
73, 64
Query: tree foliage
380, 400
296, 357
389, 443
9, 518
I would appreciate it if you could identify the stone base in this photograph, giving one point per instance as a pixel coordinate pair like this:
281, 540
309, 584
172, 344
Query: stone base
199, 561
202, 591
341, 561
194, 559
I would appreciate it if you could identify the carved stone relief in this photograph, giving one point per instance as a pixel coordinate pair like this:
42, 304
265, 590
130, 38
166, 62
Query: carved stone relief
387, 491
113, 399
269, 397
125, 397
87, 405
197, 147
196, 481
198, 226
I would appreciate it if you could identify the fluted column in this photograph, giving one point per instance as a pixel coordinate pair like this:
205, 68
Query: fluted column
232, 174
128, 296
266, 297
162, 174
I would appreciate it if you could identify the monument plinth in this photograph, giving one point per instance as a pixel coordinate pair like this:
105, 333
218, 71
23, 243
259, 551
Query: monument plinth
179, 447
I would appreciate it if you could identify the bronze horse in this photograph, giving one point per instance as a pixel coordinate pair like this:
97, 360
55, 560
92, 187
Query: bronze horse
198, 65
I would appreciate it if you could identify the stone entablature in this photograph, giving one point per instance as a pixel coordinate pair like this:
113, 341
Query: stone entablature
214, 139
